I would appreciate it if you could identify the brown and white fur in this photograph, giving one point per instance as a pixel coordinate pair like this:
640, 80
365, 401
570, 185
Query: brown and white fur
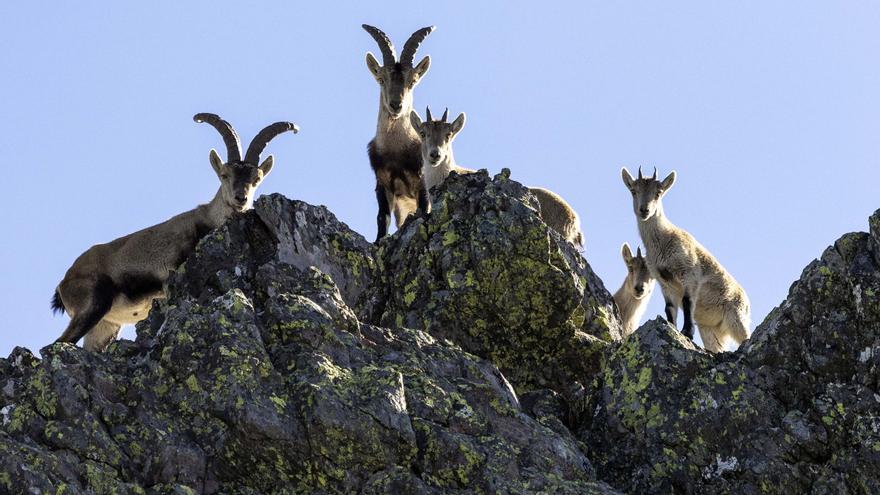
690, 277
394, 151
114, 284
634, 294
438, 162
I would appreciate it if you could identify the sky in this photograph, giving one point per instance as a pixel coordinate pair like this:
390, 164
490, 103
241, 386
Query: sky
770, 115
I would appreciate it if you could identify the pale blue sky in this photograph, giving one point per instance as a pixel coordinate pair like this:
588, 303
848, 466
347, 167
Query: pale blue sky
769, 113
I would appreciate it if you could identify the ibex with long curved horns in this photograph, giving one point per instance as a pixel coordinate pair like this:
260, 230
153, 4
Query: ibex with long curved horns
394, 151
438, 161
115, 283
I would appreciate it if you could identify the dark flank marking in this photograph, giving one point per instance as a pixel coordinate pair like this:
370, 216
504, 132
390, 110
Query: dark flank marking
404, 165
375, 158
103, 293
665, 274
136, 286
687, 309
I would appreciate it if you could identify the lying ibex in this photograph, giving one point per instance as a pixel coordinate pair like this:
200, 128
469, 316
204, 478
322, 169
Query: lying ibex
634, 294
115, 283
394, 151
438, 161
690, 277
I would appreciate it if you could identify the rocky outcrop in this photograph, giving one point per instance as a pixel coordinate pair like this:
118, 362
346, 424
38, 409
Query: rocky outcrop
472, 352
484, 272
255, 376
795, 410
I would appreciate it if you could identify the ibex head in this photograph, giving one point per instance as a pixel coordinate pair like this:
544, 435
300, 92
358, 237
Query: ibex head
239, 177
638, 278
646, 192
397, 78
437, 135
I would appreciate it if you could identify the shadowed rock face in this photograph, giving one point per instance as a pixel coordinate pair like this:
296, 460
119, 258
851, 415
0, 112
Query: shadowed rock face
255, 376
472, 352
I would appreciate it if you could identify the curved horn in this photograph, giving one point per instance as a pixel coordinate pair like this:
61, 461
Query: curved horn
230, 137
445, 114
262, 139
428, 114
388, 56
640, 172
654, 177
412, 44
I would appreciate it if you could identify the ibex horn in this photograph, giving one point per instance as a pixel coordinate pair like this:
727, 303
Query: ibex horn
388, 56
412, 44
230, 137
263, 137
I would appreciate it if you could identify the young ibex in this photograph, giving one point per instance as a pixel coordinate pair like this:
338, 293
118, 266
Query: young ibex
438, 161
633, 295
394, 151
690, 277
115, 283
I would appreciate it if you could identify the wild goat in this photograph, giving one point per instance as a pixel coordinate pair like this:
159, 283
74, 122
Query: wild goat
438, 161
394, 151
115, 283
634, 294
690, 277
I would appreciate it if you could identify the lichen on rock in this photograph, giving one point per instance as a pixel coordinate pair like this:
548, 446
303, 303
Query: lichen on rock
256, 376
472, 352
484, 271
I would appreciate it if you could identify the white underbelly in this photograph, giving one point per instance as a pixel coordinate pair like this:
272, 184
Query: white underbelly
125, 311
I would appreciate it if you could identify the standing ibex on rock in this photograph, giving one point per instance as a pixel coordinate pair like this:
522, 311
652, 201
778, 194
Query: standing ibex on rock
634, 294
115, 283
438, 161
394, 152
690, 277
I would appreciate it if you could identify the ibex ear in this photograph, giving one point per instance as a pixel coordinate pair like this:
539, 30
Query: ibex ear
668, 181
627, 178
267, 164
458, 123
216, 162
422, 68
373, 64
415, 120
626, 252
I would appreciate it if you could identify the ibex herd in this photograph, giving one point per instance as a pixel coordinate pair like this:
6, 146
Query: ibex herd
116, 283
